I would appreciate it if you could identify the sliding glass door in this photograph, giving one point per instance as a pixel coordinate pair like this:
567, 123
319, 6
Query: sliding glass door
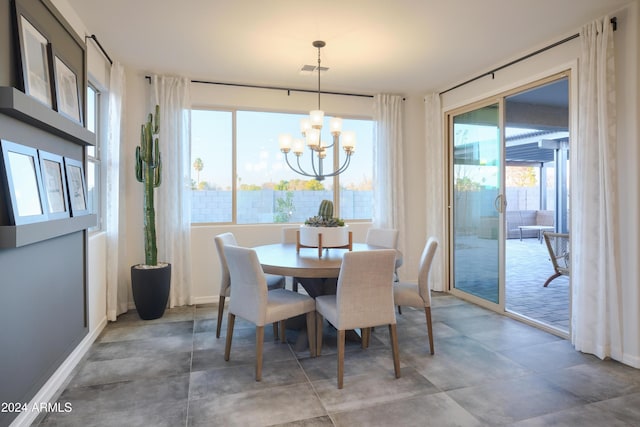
476, 203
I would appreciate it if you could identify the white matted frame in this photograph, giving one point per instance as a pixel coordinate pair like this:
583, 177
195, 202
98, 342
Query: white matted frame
76, 187
54, 183
67, 91
23, 183
35, 54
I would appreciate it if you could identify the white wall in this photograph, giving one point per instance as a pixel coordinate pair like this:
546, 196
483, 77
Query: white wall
205, 265
627, 72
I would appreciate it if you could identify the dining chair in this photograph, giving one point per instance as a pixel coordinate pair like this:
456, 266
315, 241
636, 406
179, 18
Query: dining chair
364, 299
252, 301
419, 295
273, 281
290, 235
385, 238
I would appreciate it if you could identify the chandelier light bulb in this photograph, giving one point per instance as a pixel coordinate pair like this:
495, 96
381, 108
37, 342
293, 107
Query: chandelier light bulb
285, 141
348, 140
316, 117
305, 125
313, 138
298, 147
335, 125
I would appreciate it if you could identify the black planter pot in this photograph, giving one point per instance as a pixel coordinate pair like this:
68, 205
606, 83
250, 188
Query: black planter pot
151, 287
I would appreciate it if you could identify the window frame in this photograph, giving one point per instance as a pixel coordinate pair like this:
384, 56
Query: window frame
96, 158
234, 140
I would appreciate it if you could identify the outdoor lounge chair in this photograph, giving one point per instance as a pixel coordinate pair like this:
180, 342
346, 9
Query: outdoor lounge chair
558, 246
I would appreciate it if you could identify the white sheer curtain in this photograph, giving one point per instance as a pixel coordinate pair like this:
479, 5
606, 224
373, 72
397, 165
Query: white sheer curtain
117, 271
173, 204
388, 200
597, 289
436, 178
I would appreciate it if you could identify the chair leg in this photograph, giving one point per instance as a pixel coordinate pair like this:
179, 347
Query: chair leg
220, 311
283, 327
259, 345
294, 285
399, 310
319, 325
275, 331
227, 348
340, 357
427, 312
394, 349
556, 275
366, 336
311, 332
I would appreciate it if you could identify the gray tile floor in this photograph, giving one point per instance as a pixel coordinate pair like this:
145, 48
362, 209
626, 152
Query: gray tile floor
488, 370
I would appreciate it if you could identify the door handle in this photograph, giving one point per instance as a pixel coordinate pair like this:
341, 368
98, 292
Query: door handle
500, 203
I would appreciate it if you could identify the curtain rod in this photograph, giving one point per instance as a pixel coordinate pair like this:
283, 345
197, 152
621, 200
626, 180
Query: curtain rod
104, 52
614, 24
289, 90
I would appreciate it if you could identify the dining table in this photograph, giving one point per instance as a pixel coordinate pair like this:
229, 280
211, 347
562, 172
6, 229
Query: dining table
285, 260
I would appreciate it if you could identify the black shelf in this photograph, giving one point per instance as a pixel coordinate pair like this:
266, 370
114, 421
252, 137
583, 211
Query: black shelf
15, 236
16, 104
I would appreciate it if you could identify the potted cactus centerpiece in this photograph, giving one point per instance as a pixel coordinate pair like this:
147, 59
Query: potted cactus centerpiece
324, 231
150, 281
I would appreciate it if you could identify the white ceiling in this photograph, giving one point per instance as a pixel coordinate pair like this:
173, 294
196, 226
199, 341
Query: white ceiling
393, 46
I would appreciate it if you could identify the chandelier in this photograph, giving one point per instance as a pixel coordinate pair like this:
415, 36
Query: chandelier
311, 129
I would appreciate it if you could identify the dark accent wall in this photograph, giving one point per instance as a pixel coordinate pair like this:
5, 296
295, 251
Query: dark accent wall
43, 266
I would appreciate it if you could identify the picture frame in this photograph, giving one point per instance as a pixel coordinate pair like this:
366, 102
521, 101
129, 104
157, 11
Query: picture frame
35, 56
76, 187
54, 184
67, 99
23, 183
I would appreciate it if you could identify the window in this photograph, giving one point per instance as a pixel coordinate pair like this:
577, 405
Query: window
93, 156
266, 190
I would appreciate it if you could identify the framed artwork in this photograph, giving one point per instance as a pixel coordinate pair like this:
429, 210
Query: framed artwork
23, 183
67, 92
35, 53
54, 184
76, 188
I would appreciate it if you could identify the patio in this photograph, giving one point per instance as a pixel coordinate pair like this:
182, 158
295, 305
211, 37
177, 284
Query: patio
527, 268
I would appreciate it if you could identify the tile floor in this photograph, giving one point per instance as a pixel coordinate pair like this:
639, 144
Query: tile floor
488, 370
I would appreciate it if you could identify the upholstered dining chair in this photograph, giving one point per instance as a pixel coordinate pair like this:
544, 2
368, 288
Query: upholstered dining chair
385, 238
364, 299
419, 295
290, 235
273, 281
252, 301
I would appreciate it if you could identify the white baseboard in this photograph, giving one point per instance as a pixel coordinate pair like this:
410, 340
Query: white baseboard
210, 299
49, 389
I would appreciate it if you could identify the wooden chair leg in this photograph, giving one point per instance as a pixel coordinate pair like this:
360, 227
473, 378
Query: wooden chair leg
220, 312
427, 312
394, 349
319, 325
311, 332
283, 327
366, 336
340, 357
259, 346
231, 319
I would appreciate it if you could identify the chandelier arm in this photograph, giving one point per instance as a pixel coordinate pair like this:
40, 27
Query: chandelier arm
341, 169
313, 166
299, 171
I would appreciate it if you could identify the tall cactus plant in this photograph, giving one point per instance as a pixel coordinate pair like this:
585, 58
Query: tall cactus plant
148, 172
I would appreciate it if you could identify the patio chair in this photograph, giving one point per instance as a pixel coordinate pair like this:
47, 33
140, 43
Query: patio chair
558, 246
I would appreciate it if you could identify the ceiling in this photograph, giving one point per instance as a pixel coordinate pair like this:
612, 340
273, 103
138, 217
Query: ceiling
391, 46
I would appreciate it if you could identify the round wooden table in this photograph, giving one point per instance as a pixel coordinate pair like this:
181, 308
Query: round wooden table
282, 259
